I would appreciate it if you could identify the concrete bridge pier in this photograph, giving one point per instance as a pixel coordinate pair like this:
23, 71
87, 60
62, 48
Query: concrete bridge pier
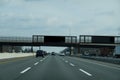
31, 48
1, 48
71, 51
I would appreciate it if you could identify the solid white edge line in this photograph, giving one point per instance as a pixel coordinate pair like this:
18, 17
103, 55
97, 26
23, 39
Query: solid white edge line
85, 72
25, 70
72, 64
36, 63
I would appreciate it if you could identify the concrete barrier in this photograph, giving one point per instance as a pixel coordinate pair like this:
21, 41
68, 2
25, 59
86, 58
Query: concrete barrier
104, 59
99, 58
15, 55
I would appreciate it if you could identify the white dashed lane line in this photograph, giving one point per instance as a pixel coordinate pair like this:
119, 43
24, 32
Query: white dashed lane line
85, 72
36, 63
80, 69
25, 70
41, 60
44, 58
72, 64
30, 67
66, 61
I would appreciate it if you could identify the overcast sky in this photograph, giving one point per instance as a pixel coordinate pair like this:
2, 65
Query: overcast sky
59, 17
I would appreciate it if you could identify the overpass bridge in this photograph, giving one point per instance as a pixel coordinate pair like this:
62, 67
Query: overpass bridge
62, 41
40, 40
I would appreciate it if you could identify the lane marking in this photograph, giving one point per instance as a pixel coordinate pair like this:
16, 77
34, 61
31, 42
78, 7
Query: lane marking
85, 72
41, 60
45, 58
66, 61
25, 70
36, 63
103, 64
72, 64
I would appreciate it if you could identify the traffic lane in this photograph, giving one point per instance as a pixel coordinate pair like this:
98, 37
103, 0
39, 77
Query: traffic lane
53, 68
11, 69
101, 71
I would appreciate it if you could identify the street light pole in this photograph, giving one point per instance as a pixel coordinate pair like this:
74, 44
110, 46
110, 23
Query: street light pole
70, 31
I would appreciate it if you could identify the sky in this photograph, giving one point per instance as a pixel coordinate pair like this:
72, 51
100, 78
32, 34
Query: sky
59, 17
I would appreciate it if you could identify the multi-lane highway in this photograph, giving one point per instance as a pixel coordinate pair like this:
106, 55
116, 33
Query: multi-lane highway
57, 68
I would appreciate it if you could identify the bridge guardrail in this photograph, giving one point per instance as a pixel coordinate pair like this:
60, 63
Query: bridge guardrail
15, 39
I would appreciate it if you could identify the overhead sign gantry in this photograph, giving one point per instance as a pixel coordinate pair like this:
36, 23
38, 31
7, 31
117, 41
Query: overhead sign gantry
94, 40
54, 40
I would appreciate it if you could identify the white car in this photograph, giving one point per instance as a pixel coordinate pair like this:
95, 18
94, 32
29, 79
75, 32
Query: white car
62, 54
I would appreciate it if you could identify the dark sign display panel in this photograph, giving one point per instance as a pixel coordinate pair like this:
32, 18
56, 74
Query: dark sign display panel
57, 39
102, 39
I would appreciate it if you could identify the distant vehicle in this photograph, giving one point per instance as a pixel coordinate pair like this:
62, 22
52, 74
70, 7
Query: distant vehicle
62, 54
39, 53
86, 53
117, 52
53, 53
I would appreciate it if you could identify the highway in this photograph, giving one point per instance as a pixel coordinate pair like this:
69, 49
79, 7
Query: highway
57, 68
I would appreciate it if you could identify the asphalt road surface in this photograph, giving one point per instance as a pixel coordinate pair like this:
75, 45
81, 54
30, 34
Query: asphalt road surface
57, 68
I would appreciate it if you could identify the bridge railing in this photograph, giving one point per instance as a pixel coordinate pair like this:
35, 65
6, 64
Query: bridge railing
96, 39
54, 39
15, 39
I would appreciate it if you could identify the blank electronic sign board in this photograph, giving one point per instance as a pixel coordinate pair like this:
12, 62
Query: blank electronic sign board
102, 39
57, 39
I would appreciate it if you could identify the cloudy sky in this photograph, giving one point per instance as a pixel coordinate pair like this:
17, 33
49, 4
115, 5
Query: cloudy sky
59, 17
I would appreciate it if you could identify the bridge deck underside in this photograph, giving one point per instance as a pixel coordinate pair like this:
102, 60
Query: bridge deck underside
57, 44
